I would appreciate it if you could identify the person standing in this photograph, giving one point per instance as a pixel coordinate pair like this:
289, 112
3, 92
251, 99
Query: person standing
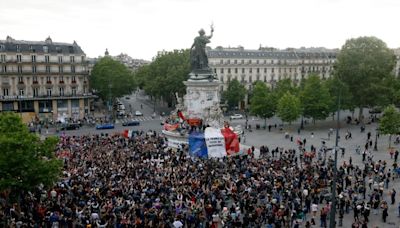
393, 196
385, 213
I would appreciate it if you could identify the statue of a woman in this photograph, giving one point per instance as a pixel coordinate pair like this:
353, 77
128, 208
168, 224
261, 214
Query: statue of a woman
198, 56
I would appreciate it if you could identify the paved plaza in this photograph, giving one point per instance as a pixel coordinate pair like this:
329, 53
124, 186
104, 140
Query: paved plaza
315, 134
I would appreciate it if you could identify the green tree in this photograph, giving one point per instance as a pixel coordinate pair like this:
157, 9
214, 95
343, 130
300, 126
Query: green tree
315, 99
111, 79
234, 94
263, 103
165, 75
283, 86
25, 160
390, 122
289, 108
392, 91
362, 64
335, 86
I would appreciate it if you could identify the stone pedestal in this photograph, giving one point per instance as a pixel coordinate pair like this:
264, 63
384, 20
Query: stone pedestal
201, 98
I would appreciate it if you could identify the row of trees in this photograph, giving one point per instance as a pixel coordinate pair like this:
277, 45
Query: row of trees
362, 77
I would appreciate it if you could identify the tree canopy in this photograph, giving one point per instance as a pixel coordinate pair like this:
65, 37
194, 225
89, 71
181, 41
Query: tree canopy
111, 79
165, 75
315, 99
25, 160
263, 103
289, 108
362, 64
390, 122
235, 93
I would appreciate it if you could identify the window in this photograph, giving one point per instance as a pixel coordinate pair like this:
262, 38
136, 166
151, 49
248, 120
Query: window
235, 61
21, 92
250, 70
242, 79
47, 58
33, 57
4, 69
2, 47
242, 61
250, 79
45, 49
258, 77
62, 79
221, 61
73, 79
236, 70
34, 69
60, 69
221, 79
258, 61
272, 61
19, 68
35, 92
17, 47
229, 70
73, 91
34, 79
72, 59
3, 58
48, 92
228, 61
19, 58
61, 91
5, 92
249, 61
258, 70
242, 70
265, 78
272, 70
265, 70
20, 79
222, 70
47, 69
48, 79
84, 89
82, 59
60, 59
73, 69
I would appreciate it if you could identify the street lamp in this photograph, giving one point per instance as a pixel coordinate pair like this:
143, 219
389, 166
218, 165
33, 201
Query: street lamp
376, 140
332, 221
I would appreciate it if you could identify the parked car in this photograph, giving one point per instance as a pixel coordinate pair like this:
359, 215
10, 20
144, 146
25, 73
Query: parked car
138, 113
131, 123
121, 112
236, 116
70, 126
375, 110
127, 98
105, 126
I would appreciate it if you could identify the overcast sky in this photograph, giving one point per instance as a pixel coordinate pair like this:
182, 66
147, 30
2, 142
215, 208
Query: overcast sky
140, 28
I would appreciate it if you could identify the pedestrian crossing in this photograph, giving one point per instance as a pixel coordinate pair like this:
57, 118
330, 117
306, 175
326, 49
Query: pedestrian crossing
136, 118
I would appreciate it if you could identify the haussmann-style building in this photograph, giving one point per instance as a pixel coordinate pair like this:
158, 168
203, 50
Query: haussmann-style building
44, 80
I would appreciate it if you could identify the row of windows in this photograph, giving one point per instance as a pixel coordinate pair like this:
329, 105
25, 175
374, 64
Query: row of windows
4, 58
49, 91
272, 78
265, 61
4, 69
280, 70
48, 79
32, 49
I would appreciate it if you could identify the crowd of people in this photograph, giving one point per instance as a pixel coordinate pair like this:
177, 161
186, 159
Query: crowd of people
113, 181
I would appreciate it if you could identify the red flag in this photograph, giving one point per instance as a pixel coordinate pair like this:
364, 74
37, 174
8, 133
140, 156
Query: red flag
180, 114
231, 141
126, 133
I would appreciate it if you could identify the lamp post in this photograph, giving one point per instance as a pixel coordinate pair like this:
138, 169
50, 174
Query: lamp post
376, 140
332, 221
20, 105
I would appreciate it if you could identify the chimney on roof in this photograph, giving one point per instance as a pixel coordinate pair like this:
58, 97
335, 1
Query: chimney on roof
48, 40
9, 39
75, 44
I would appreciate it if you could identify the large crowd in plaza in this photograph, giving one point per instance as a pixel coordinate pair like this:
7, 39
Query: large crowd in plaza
112, 181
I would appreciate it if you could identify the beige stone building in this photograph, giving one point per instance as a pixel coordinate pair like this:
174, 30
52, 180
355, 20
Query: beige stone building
269, 65
44, 80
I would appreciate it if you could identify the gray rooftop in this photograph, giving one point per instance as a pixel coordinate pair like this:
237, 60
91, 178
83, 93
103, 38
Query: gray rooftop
41, 47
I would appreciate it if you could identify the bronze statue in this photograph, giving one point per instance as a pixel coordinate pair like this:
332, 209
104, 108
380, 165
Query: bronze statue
198, 56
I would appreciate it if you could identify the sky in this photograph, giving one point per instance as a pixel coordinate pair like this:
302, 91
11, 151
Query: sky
141, 28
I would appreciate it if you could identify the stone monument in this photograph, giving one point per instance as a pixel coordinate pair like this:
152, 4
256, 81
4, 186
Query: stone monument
202, 99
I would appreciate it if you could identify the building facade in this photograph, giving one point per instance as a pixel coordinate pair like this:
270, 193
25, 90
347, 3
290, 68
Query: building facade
44, 80
271, 65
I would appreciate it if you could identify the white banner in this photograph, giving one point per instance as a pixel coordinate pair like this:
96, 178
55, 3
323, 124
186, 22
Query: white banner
215, 142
